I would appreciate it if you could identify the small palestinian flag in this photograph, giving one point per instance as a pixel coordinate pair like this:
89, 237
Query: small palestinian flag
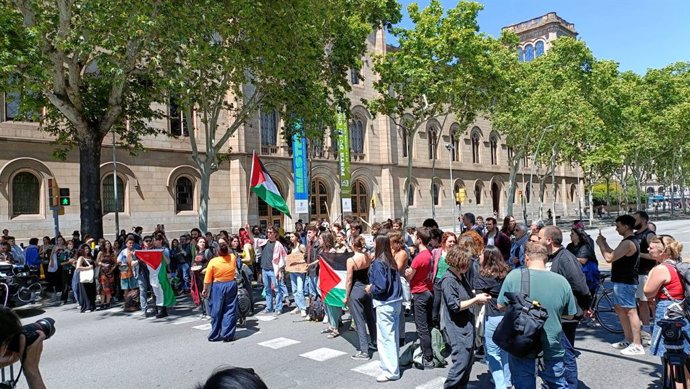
264, 187
332, 277
158, 276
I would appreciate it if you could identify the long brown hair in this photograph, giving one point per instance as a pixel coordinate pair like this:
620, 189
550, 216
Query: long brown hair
328, 241
493, 265
383, 249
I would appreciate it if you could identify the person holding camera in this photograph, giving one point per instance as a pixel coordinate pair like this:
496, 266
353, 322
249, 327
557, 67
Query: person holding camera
15, 346
666, 287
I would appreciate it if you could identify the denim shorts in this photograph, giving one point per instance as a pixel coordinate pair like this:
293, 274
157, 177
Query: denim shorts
624, 295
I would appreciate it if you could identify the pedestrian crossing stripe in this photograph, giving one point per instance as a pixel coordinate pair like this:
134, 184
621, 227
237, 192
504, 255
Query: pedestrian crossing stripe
184, 321
279, 343
323, 354
265, 318
372, 369
203, 327
436, 383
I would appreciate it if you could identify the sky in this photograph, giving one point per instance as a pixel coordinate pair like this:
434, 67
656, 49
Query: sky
638, 34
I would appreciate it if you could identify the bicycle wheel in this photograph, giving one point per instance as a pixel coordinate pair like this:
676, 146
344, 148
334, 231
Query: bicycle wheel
606, 315
29, 294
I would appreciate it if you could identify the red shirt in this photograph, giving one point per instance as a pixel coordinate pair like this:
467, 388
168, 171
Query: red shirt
423, 265
674, 287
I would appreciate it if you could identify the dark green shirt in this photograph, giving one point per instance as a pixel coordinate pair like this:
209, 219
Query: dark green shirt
554, 294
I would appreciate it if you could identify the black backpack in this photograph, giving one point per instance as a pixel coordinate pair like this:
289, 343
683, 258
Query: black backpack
316, 310
519, 332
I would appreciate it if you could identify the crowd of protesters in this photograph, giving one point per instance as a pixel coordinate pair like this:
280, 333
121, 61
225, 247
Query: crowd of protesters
455, 284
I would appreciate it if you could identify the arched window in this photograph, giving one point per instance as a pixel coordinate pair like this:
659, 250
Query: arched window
529, 53
360, 200
511, 154
357, 128
354, 76
434, 193
478, 187
184, 194
475, 146
26, 194
269, 131
432, 134
454, 135
521, 54
319, 199
108, 194
539, 49
334, 142
494, 149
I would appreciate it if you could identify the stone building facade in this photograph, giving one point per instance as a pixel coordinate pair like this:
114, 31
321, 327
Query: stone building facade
161, 185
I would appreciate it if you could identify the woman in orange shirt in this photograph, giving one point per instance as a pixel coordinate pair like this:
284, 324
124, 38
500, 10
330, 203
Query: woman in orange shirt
220, 283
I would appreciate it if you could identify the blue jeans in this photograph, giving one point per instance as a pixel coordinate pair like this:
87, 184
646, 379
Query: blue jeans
387, 317
297, 282
311, 286
496, 357
269, 279
184, 269
523, 373
569, 363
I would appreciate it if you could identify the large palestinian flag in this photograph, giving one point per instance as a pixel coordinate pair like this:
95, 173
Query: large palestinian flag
264, 187
332, 277
158, 276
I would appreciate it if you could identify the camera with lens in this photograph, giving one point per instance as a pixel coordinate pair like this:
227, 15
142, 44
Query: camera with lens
30, 332
672, 333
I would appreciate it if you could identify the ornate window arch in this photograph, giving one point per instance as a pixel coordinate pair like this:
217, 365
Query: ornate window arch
432, 140
269, 131
538, 49
478, 189
454, 141
475, 137
184, 194
358, 126
529, 52
108, 193
493, 143
25, 187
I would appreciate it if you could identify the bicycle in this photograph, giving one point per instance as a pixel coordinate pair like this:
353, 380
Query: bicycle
602, 308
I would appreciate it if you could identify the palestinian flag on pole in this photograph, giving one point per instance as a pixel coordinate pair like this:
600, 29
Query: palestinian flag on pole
158, 276
264, 187
332, 277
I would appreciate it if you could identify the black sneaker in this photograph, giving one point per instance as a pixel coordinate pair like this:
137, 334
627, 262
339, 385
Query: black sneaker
360, 356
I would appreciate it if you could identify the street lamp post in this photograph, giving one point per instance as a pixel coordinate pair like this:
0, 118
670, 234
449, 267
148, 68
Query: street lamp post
451, 148
117, 201
534, 163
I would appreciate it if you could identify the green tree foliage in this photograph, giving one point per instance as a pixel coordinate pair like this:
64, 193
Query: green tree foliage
240, 57
443, 65
92, 65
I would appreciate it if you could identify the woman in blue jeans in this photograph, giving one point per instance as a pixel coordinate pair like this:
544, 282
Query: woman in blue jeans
492, 271
386, 289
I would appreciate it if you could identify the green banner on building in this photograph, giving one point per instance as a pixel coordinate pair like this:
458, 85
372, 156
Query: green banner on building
343, 131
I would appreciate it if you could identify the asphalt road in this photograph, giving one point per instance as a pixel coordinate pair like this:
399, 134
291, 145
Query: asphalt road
113, 349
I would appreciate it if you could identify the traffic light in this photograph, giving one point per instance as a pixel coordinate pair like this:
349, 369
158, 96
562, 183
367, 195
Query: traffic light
53, 192
373, 202
64, 197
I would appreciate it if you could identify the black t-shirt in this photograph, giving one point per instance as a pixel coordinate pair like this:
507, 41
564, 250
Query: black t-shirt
267, 256
492, 286
582, 251
624, 270
645, 264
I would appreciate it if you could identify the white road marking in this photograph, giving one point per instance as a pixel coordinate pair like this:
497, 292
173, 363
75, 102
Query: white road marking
279, 343
265, 318
372, 369
436, 383
323, 354
184, 321
203, 327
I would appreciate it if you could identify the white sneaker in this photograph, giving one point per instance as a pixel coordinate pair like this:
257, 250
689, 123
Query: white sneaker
620, 345
633, 349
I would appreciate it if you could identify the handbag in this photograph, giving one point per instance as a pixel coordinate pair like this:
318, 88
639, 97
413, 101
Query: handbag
480, 321
86, 276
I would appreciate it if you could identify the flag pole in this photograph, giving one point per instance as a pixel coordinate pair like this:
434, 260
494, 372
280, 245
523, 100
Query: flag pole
249, 184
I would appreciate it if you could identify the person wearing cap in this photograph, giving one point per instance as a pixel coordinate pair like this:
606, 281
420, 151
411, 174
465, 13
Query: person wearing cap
75, 238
